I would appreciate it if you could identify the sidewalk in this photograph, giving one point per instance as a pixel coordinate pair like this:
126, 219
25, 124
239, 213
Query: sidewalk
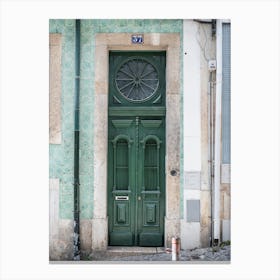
158, 254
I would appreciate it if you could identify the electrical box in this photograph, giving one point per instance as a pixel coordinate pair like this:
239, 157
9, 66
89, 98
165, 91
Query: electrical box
212, 65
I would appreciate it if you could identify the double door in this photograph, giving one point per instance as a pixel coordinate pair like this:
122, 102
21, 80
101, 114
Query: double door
136, 148
136, 180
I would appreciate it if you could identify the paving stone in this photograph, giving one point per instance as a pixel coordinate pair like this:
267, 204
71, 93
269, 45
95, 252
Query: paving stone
159, 255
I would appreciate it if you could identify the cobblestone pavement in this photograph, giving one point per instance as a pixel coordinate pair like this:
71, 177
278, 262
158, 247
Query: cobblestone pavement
160, 255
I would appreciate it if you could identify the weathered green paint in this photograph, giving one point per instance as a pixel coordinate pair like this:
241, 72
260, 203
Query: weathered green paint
61, 159
61, 156
136, 160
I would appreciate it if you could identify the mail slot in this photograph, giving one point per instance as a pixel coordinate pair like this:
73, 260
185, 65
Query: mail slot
121, 197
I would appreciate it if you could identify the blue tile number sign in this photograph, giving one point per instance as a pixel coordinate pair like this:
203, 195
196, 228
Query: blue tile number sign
137, 39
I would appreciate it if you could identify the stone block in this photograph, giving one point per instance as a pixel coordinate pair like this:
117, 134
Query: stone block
205, 208
99, 234
190, 235
62, 248
86, 235
101, 76
205, 236
172, 229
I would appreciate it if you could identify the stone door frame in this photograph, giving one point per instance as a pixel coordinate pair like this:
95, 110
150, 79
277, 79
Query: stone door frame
105, 42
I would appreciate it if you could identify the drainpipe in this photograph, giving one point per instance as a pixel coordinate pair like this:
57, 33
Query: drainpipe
77, 146
217, 152
211, 146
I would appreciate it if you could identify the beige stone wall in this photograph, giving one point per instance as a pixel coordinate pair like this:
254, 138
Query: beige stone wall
225, 201
62, 247
225, 198
55, 43
225, 211
60, 230
207, 46
86, 235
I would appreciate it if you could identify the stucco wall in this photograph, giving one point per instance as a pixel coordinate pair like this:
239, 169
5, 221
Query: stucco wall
61, 156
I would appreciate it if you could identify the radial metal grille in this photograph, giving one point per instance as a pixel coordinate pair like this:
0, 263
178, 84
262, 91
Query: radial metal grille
137, 79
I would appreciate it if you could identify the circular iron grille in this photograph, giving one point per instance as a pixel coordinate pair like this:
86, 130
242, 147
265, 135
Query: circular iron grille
137, 79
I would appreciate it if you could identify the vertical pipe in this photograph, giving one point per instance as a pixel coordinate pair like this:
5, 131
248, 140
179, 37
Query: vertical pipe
217, 150
77, 146
212, 151
211, 146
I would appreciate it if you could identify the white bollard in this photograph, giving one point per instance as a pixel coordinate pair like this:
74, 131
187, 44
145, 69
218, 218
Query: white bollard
175, 248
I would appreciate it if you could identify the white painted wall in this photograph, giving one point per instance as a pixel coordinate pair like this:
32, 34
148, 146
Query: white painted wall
190, 235
192, 118
190, 232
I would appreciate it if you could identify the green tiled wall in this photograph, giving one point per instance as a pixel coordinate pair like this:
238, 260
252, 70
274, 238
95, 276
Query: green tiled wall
62, 156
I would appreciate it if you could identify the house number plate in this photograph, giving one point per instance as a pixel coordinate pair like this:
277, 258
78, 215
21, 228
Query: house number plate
137, 39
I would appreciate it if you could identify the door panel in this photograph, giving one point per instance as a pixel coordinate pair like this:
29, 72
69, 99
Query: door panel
136, 150
120, 181
151, 182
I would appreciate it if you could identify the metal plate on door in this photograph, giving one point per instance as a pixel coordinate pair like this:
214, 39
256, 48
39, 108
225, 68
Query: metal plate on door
121, 197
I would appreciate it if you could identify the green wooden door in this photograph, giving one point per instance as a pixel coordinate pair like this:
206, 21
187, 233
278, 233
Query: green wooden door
136, 148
